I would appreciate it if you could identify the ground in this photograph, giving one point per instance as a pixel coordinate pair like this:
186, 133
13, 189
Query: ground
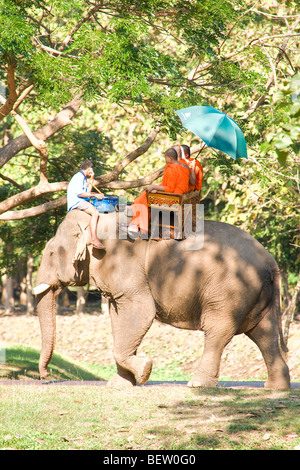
87, 338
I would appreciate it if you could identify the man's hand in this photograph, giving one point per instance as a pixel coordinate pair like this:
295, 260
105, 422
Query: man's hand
98, 196
151, 188
91, 175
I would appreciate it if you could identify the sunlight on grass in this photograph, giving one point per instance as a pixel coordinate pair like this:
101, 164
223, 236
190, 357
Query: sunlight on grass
41, 416
21, 362
147, 417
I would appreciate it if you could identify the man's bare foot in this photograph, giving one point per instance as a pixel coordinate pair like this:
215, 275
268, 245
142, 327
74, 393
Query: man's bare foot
97, 244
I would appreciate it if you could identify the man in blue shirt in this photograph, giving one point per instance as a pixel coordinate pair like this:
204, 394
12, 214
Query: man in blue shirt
79, 191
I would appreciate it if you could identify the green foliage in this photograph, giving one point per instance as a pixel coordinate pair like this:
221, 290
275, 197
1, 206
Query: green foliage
133, 62
113, 57
16, 32
284, 140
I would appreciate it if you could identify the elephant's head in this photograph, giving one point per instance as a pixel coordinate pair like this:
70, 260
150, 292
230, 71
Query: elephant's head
65, 262
65, 259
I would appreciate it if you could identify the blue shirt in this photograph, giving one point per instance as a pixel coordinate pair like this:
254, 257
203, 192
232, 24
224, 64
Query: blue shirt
77, 185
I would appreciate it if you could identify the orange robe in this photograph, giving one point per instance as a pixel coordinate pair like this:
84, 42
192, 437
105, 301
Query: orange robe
198, 174
175, 180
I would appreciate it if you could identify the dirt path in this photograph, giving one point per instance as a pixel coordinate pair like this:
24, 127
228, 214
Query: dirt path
101, 383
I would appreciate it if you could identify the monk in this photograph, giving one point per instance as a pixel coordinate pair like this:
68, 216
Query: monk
195, 167
184, 162
175, 180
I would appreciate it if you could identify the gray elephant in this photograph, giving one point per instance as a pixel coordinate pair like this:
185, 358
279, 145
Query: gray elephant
228, 287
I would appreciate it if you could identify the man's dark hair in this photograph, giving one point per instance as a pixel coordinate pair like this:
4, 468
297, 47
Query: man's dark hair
186, 150
86, 164
171, 152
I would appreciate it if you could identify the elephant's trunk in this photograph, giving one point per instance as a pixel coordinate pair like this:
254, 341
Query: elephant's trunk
46, 308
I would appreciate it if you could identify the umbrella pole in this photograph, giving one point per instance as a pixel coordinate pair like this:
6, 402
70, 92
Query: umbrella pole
200, 151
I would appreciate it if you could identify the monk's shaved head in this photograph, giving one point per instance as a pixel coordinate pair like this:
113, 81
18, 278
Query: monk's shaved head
171, 152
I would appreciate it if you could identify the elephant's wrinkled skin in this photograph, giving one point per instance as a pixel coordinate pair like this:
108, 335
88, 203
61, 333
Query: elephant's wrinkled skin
228, 287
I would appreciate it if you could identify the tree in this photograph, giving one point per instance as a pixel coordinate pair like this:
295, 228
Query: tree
69, 62
119, 44
154, 56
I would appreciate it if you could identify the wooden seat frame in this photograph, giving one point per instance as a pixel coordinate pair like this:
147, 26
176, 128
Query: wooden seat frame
166, 204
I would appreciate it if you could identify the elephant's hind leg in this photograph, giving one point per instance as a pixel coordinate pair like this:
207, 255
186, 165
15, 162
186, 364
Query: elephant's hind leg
207, 373
130, 322
266, 335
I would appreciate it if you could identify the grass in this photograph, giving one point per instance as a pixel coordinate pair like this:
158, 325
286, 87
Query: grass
147, 418
65, 417
21, 362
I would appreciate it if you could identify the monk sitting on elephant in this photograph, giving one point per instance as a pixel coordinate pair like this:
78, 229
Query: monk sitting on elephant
195, 166
175, 180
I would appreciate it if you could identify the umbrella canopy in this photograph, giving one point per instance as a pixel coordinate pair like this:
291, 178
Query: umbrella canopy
215, 128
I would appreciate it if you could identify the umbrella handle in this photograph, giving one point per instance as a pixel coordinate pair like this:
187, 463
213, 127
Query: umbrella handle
203, 147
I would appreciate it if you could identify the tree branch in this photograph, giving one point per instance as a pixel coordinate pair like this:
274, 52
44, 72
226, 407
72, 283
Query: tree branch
135, 183
114, 174
90, 13
23, 92
107, 181
63, 118
7, 105
6, 178
31, 194
279, 56
33, 211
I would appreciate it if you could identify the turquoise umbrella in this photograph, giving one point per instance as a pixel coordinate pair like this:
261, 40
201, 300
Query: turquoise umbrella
215, 128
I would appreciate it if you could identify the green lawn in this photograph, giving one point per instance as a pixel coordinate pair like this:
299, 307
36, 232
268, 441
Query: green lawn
62, 416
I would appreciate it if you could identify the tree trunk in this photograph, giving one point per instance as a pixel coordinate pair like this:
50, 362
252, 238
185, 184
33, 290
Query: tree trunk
64, 298
289, 312
81, 300
22, 284
104, 306
8, 294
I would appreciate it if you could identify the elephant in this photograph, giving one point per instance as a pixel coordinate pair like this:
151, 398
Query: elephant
229, 286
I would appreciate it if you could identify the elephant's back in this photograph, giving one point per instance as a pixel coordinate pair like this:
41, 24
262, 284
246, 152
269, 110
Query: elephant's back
226, 238
230, 267
218, 242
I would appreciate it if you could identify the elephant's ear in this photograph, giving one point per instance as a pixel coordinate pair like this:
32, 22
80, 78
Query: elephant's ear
83, 238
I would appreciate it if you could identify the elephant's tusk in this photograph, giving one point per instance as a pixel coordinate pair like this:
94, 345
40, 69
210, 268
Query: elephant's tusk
40, 288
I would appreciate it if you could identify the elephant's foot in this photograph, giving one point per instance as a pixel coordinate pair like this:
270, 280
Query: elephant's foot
282, 384
119, 383
142, 368
43, 373
124, 379
278, 377
198, 381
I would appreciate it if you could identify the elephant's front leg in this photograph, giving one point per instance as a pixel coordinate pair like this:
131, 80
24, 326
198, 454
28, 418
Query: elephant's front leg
130, 321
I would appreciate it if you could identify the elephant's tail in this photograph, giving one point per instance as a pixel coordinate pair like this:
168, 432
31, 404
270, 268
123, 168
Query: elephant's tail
276, 305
